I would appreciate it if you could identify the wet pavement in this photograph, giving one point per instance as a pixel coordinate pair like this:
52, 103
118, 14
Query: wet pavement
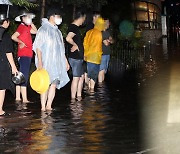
127, 114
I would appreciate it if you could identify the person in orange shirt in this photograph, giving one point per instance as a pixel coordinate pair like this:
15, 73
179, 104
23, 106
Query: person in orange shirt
93, 51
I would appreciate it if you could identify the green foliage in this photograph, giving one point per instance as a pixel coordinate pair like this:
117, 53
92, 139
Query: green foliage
24, 3
134, 42
64, 28
12, 28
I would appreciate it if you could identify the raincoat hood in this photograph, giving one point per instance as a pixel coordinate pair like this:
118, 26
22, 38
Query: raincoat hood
93, 43
45, 21
100, 24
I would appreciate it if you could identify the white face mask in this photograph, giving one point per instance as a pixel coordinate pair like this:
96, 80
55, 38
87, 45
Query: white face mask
28, 21
58, 21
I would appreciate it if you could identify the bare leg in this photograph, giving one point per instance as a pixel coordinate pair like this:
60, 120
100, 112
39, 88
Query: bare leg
80, 86
86, 78
24, 94
18, 92
92, 84
101, 76
2, 95
51, 95
74, 87
43, 100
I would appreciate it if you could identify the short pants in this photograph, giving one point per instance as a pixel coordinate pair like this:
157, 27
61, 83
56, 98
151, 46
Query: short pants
93, 71
104, 63
77, 67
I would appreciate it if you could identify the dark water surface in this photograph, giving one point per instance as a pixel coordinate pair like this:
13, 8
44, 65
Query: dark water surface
106, 121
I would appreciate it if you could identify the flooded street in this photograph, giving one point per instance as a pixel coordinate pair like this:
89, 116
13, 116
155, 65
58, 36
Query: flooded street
104, 122
123, 116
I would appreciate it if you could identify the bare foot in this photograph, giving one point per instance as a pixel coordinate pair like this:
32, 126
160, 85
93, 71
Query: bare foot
43, 109
49, 109
18, 100
2, 113
79, 98
26, 101
91, 90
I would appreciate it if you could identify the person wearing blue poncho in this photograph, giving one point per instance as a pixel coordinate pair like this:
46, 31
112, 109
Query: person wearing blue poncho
50, 55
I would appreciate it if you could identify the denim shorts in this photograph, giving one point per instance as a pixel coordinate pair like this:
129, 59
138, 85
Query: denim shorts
77, 67
104, 62
92, 71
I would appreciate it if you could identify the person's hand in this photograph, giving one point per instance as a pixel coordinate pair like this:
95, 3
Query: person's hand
106, 42
74, 48
32, 24
40, 66
22, 45
14, 70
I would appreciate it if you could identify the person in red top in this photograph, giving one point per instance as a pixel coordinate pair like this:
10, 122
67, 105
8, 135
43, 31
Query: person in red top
23, 37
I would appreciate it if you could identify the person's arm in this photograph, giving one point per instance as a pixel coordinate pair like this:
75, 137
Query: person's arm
15, 38
39, 57
67, 63
33, 29
69, 39
12, 63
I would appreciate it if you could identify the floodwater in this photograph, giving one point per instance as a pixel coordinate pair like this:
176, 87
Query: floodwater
103, 122
115, 119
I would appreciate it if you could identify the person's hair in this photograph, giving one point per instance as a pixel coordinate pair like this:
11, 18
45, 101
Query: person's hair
90, 15
52, 12
79, 14
105, 18
2, 21
95, 13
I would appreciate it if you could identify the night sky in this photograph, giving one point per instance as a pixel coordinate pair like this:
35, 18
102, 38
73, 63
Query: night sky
173, 11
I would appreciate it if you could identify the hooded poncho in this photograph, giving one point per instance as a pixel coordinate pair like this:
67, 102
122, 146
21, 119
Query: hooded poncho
93, 43
49, 41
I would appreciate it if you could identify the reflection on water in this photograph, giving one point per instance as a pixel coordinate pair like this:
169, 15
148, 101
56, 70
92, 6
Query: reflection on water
93, 122
165, 48
174, 92
97, 124
106, 121
39, 128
